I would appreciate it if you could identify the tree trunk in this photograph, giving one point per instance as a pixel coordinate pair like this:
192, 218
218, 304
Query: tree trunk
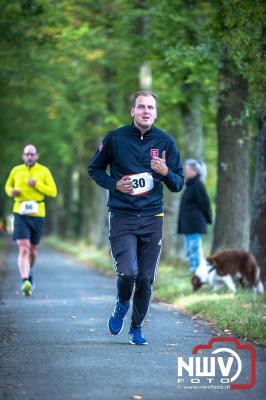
258, 209
192, 128
232, 217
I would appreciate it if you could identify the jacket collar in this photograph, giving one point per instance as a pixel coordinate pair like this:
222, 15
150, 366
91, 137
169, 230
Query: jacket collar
135, 131
34, 165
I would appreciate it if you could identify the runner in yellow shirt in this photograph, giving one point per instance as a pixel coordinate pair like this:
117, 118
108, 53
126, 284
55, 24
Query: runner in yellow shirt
29, 184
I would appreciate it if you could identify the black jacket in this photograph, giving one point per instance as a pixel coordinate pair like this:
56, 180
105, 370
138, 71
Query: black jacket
195, 209
127, 152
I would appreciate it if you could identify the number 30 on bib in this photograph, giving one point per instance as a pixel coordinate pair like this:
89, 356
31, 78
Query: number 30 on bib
141, 183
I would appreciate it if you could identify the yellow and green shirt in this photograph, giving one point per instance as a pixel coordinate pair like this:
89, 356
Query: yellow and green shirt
45, 186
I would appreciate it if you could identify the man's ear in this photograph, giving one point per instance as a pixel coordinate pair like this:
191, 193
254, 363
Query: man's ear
132, 112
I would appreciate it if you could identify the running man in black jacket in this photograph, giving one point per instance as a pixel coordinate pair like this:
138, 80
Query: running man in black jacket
141, 158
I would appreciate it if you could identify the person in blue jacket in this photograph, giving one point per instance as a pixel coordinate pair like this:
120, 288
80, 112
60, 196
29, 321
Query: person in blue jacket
141, 158
195, 212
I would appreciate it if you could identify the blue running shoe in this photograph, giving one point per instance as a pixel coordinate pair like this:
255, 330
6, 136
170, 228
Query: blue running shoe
116, 321
137, 336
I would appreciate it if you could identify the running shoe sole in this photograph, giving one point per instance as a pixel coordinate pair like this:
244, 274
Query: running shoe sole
138, 344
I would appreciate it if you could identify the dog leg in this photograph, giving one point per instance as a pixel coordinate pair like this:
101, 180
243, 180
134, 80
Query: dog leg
218, 286
241, 281
228, 280
259, 288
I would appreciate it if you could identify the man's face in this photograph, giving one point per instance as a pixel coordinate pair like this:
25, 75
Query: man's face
30, 155
144, 112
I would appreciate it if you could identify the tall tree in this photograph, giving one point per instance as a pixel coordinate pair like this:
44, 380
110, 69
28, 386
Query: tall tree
232, 218
238, 33
258, 221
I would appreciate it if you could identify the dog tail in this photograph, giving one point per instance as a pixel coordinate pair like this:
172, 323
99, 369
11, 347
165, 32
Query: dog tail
256, 270
258, 285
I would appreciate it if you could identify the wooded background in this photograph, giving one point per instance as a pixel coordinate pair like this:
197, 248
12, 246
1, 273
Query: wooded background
68, 69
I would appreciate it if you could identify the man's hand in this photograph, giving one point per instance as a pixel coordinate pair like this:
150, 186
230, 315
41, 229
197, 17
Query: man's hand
124, 185
31, 182
15, 192
158, 165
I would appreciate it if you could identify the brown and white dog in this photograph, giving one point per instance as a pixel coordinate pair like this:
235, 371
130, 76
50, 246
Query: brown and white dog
223, 268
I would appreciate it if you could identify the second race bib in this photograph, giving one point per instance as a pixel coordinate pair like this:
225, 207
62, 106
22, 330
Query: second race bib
142, 183
29, 207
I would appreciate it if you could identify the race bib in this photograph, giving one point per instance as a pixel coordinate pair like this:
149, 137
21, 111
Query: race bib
29, 207
142, 183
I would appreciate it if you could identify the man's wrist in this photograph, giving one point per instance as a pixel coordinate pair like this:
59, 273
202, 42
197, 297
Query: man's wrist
15, 192
165, 173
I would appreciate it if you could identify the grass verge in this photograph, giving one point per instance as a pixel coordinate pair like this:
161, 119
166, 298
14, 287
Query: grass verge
242, 314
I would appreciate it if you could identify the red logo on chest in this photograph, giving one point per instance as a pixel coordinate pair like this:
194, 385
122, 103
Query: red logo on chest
155, 152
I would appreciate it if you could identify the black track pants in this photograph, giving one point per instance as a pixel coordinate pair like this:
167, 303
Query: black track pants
136, 246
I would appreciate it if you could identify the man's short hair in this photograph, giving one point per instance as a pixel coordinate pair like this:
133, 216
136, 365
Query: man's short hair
142, 93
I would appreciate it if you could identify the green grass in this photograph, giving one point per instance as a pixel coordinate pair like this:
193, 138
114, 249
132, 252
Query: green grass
242, 314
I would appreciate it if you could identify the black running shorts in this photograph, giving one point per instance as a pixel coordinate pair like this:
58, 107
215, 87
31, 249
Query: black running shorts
27, 227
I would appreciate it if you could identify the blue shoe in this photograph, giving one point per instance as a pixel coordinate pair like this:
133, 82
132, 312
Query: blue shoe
137, 336
116, 321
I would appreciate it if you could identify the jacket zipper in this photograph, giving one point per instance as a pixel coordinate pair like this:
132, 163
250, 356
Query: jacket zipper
142, 151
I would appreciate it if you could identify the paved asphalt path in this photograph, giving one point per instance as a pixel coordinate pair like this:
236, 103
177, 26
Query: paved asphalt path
55, 345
